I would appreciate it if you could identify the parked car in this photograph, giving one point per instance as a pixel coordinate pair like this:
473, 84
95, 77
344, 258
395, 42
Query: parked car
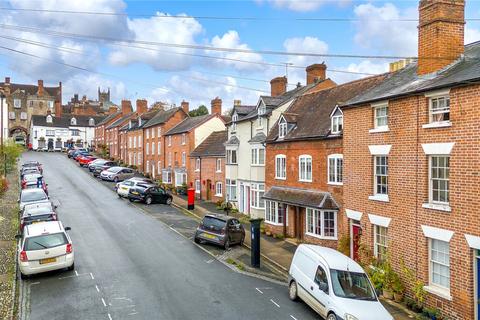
124, 187
44, 247
149, 194
30, 196
77, 156
30, 181
98, 168
94, 162
36, 213
84, 161
333, 285
32, 164
72, 152
29, 170
221, 230
116, 174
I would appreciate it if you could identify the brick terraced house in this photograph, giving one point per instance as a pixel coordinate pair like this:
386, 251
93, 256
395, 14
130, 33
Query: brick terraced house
100, 134
304, 161
112, 139
208, 161
411, 164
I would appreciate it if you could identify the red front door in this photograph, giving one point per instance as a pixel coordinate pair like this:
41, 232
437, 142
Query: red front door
355, 241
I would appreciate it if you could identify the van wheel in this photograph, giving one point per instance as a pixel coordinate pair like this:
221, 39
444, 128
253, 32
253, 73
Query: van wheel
23, 276
148, 200
292, 291
72, 267
332, 316
196, 240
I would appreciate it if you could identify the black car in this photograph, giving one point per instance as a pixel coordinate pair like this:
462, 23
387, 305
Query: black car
98, 168
149, 194
221, 230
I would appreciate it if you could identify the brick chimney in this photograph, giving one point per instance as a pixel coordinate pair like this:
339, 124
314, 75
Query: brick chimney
58, 109
7, 80
316, 72
126, 107
216, 106
237, 102
278, 86
112, 110
185, 106
142, 106
40, 88
440, 34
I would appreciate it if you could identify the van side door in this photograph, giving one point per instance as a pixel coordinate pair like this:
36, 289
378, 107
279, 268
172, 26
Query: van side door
321, 290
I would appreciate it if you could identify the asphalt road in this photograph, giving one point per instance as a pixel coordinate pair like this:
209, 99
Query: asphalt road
129, 265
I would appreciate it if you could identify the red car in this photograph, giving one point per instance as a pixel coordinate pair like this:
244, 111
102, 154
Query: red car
84, 161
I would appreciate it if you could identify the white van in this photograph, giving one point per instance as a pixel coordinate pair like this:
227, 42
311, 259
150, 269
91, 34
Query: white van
334, 285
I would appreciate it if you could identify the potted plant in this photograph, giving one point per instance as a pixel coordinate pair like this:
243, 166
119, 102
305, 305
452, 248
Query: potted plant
388, 280
398, 289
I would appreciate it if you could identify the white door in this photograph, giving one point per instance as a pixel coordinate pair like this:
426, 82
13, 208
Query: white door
241, 196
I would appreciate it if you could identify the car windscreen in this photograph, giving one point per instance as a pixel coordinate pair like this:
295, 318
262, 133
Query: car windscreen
45, 241
114, 169
352, 285
35, 195
128, 183
213, 223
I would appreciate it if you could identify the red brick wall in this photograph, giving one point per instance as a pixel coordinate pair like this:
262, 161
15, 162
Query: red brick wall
208, 172
319, 150
176, 148
408, 186
136, 134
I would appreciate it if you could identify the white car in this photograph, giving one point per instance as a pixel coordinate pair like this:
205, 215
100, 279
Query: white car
333, 285
43, 247
31, 196
124, 187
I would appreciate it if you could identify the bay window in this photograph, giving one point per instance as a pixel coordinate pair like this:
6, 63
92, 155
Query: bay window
256, 198
231, 186
321, 224
258, 156
275, 212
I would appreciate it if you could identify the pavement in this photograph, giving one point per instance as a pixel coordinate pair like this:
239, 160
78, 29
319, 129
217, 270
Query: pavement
129, 264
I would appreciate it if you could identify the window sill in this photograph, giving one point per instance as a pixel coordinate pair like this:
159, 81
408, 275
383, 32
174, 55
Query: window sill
437, 206
273, 223
219, 195
335, 183
232, 164
441, 124
441, 292
308, 181
379, 130
277, 178
379, 197
320, 237
218, 171
257, 165
197, 170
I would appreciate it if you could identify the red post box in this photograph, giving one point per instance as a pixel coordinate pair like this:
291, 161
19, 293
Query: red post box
191, 198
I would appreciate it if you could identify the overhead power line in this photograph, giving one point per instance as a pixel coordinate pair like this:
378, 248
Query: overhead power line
129, 45
245, 18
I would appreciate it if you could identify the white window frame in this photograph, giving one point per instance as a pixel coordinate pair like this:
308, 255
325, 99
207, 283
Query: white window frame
184, 138
197, 186
376, 184
49, 133
218, 165
197, 164
281, 167
23, 115
256, 158
337, 124
73, 122
338, 169
169, 141
147, 169
148, 133
180, 179
446, 110
234, 122
430, 180
153, 148
218, 189
11, 115
229, 156
184, 159
433, 286
139, 158
257, 190
167, 176
159, 150
169, 158
17, 103
376, 244
282, 128
377, 118
315, 213
231, 189
259, 123
272, 213
147, 149
304, 162
159, 166
159, 131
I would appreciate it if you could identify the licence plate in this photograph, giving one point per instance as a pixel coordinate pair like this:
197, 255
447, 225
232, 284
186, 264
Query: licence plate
208, 236
124, 188
48, 260
34, 222
134, 192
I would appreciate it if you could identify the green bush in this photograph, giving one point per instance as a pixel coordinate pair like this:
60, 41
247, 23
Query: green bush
3, 185
9, 155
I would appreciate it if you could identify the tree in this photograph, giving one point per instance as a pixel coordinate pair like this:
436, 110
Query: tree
200, 111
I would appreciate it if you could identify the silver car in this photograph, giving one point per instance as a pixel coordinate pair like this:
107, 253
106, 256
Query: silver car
31, 196
117, 174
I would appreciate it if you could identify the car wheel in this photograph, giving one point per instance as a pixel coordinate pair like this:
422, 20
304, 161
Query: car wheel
196, 240
292, 291
131, 200
226, 246
72, 267
23, 276
119, 195
115, 179
169, 201
148, 200
332, 316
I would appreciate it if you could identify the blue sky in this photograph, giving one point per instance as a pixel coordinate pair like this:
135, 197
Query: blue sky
145, 73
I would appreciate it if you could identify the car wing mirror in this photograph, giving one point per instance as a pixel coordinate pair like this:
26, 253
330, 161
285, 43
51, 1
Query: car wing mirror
68, 228
18, 200
18, 236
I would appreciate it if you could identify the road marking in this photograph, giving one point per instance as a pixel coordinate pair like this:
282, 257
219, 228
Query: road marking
275, 303
104, 304
133, 313
96, 287
209, 261
293, 317
73, 276
76, 273
91, 275
33, 283
109, 317
259, 290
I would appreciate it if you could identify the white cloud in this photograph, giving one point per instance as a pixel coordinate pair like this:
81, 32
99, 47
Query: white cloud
163, 30
304, 5
365, 66
471, 35
231, 40
376, 30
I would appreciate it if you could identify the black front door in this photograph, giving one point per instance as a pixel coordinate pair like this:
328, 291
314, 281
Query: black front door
50, 144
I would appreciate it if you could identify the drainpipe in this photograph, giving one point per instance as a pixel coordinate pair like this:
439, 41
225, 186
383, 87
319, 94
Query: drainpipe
200, 177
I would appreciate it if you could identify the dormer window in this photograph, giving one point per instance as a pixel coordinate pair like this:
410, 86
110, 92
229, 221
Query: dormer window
262, 110
337, 121
49, 119
91, 122
234, 122
73, 122
282, 128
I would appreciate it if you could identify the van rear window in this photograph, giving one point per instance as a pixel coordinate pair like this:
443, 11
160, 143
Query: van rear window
45, 241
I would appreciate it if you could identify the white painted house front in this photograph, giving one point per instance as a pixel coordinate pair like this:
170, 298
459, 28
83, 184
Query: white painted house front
57, 133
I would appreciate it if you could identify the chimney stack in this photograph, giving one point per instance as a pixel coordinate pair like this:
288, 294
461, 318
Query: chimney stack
237, 102
58, 109
278, 86
126, 107
112, 110
316, 73
142, 106
7, 80
216, 106
40, 88
185, 106
440, 34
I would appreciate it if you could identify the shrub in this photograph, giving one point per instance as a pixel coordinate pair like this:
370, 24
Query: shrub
344, 245
9, 156
3, 185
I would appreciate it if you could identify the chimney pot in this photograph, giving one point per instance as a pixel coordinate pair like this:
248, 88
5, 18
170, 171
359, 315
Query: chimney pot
237, 102
278, 86
216, 106
316, 72
185, 106
7, 80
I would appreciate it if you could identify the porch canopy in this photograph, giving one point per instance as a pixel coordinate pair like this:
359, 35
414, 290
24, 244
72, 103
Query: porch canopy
302, 198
